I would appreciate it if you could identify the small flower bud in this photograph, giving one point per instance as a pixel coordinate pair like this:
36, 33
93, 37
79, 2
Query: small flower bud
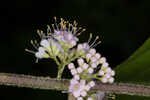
71, 66
108, 70
89, 98
107, 75
97, 55
87, 87
92, 51
76, 77
101, 73
93, 65
83, 93
80, 61
112, 73
90, 70
79, 47
85, 66
88, 56
111, 80
79, 98
92, 83
103, 60
93, 59
80, 70
105, 64
104, 80
73, 71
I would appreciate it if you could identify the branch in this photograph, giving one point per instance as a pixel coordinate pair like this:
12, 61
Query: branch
53, 84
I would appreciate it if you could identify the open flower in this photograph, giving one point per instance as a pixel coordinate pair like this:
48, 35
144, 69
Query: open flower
76, 87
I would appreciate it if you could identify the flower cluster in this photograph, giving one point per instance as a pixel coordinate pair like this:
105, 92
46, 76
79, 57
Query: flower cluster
91, 66
60, 44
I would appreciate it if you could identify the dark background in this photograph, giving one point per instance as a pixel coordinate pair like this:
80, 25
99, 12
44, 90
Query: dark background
123, 25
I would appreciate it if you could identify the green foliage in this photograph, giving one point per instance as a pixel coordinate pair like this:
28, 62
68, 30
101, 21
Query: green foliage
136, 69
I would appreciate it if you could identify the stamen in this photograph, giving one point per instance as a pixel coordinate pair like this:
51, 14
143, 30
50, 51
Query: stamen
75, 23
61, 23
48, 30
90, 38
69, 27
38, 31
96, 44
53, 27
33, 44
97, 37
74, 30
30, 51
37, 60
56, 23
81, 32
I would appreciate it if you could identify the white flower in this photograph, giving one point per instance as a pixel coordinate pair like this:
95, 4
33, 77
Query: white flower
83, 93
76, 88
71, 66
89, 98
101, 73
66, 37
76, 77
45, 43
80, 70
90, 70
79, 98
73, 71
41, 53
52, 46
92, 83
80, 61
111, 80
92, 51
104, 80
85, 66
97, 55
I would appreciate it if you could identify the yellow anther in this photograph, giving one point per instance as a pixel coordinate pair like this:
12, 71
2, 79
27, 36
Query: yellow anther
31, 41
97, 37
84, 29
91, 35
74, 28
26, 49
41, 32
48, 26
35, 41
38, 31
55, 18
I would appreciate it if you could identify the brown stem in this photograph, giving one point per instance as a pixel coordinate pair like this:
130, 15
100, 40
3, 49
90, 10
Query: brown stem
54, 84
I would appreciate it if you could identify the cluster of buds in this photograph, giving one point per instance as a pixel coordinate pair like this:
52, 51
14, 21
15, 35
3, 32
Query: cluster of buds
91, 66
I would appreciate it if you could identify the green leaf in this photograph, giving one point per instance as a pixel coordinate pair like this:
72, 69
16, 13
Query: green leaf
136, 69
